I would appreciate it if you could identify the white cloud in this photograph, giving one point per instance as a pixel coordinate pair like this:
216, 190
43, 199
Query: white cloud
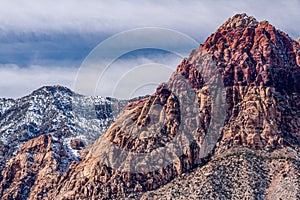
197, 18
128, 78
16, 82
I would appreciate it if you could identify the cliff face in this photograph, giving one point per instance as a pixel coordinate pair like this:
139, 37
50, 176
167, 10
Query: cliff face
260, 69
234, 104
34, 170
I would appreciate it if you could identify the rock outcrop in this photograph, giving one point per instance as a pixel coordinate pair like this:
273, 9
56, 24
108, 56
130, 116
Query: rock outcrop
259, 68
35, 169
231, 111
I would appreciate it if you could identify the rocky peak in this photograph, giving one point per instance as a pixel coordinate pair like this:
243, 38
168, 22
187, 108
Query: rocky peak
240, 21
52, 90
259, 68
255, 54
259, 64
298, 40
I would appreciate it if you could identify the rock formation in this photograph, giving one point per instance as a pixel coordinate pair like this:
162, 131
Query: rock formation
230, 112
35, 169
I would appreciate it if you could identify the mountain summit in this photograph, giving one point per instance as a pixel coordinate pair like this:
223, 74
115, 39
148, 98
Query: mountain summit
260, 70
240, 21
225, 126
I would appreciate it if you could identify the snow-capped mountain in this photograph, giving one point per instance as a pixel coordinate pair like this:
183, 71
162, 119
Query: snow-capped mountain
72, 119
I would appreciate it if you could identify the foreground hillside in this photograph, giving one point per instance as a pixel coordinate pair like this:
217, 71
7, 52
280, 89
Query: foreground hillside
238, 174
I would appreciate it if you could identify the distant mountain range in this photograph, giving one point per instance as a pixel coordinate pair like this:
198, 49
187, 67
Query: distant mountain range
225, 126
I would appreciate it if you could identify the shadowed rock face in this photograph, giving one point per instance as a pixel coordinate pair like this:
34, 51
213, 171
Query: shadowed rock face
239, 90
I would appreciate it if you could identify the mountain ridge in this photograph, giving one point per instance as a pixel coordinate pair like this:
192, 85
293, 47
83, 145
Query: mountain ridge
52, 110
176, 130
252, 61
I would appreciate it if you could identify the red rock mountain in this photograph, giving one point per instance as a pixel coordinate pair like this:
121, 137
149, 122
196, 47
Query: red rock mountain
225, 126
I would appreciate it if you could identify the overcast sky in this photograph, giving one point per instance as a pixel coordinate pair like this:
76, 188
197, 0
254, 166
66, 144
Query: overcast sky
44, 42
